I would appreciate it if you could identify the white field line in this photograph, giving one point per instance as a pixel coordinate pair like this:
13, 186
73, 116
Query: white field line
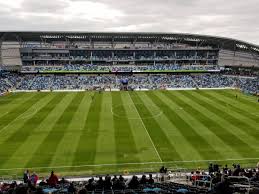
132, 163
146, 129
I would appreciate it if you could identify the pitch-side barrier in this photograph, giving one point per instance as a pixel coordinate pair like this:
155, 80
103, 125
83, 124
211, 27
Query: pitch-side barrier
116, 89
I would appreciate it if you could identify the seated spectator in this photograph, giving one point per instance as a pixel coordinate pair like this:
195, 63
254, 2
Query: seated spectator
63, 181
91, 185
150, 180
255, 178
223, 187
43, 182
162, 169
100, 183
237, 170
121, 178
107, 183
71, 189
114, 178
134, 183
143, 180
82, 191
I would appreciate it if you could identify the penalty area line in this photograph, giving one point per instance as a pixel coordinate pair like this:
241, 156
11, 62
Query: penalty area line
131, 163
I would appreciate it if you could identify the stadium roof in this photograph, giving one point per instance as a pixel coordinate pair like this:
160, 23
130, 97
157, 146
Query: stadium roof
192, 39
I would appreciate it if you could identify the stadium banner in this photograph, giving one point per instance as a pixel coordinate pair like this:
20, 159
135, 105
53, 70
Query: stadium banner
114, 90
141, 89
180, 88
223, 88
20, 91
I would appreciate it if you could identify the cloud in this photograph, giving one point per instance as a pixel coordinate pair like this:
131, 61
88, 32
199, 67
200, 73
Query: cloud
235, 19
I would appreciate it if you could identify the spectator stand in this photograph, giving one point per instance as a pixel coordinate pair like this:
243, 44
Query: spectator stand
9, 178
240, 184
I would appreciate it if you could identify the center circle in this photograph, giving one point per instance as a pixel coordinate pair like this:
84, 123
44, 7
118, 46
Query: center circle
121, 110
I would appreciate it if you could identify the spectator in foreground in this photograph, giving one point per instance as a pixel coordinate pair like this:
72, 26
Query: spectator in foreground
26, 176
82, 191
64, 181
223, 187
121, 178
71, 189
53, 179
163, 170
100, 183
34, 179
134, 183
91, 185
150, 180
143, 180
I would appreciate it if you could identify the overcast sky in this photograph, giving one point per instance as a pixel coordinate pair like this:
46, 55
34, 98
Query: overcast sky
230, 18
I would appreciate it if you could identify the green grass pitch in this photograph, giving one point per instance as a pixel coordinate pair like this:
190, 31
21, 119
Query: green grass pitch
82, 133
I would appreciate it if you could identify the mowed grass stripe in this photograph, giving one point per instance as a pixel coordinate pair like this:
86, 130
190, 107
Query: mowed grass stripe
198, 113
28, 149
202, 130
237, 103
49, 145
22, 134
105, 147
15, 101
218, 110
126, 149
19, 110
244, 100
72, 134
195, 139
228, 137
230, 104
163, 145
181, 145
232, 97
12, 127
86, 148
10, 99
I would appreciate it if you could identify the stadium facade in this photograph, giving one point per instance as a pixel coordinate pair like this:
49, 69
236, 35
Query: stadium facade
32, 48
129, 61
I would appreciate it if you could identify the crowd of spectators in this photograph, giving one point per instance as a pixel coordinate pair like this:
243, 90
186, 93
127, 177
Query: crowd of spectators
249, 85
235, 179
216, 180
114, 68
156, 81
99, 185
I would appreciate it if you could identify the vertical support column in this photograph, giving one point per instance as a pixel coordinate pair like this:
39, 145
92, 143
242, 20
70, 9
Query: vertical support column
207, 61
195, 58
1, 60
134, 57
154, 58
69, 60
234, 55
112, 57
175, 57
91, 58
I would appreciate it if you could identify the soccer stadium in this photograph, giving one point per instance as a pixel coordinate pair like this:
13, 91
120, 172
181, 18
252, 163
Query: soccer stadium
177, 111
